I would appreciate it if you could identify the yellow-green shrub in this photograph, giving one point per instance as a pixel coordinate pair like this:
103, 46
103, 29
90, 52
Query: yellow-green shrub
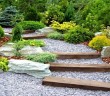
99, 42
65, 26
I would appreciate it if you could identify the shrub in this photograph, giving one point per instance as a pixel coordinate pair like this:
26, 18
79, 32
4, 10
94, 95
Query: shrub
1, 32
16, 33
32, 15
4, 63
10, 16
64, 27
38, 43
31, 25
42, 57
55, 35
78, 35
99, 42
106, 32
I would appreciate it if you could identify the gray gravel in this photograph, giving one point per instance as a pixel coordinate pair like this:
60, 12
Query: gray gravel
12, 84
81, 61
61, 46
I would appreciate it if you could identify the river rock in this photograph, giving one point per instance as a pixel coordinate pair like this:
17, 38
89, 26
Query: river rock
45, 30
36, 69
98, 33
105, 51
30, 50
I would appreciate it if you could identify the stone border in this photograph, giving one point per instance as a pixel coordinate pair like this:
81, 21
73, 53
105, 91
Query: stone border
76, 83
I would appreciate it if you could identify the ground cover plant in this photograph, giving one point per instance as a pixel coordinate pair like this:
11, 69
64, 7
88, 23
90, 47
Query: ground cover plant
55, 35
42, 57
4, 64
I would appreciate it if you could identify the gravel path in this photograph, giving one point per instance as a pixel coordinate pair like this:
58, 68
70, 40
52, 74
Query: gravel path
81, 61
12, 84
61, 46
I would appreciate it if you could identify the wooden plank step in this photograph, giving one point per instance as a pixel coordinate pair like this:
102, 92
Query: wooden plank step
80, 67
35, 36
78, 55
76, 83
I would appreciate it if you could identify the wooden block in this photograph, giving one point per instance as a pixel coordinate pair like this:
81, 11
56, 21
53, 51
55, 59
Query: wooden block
80, 67
71, 55
34, 37
76, 83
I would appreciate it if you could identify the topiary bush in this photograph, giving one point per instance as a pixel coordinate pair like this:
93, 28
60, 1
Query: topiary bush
42, 57
4, 63
16, 33
1, 32
99, 42
31, 25
78, 34
56, 35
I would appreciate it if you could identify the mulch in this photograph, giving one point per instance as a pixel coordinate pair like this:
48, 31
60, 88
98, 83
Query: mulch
3, 40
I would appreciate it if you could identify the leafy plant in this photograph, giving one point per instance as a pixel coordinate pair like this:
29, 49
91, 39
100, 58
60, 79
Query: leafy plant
64, 27
38, 43
42, 57
55, 35
16, 33
78, 34
31, 25
1, 32
99, 42
4, 63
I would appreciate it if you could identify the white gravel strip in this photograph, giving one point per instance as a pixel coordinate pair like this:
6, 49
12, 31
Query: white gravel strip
7, 30
12, 84
62, 46
98, 76
81, 61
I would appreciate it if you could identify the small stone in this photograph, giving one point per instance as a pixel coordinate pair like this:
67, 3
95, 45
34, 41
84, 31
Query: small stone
98, 33
105, 52
30, 50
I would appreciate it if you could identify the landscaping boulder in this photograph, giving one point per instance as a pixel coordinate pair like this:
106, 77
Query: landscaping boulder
105, 52
36, 69
30, 50
45, 30
7, 50
98, 33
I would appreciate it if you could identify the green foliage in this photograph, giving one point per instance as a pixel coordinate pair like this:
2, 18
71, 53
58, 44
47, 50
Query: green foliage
16, 33
32, 15
4, 63
10, 16
64, 27
38, 43
106, 32
55, 35
53, 13
99, 42
78, 34
42, 57
1, 32
31, 25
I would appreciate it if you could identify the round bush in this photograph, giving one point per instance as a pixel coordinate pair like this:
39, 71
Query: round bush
1, 32
99, 42
16, 33
42, 57
55, 35
78, 35
31, 25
